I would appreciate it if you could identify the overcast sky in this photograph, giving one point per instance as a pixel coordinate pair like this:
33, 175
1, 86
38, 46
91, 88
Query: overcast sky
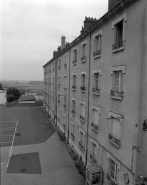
31, 30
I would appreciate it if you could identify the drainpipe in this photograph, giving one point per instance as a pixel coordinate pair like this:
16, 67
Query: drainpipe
88, 98
56, 90
68, 98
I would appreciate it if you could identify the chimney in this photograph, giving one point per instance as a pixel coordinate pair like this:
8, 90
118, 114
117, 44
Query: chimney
112, 4
59, 49
54, 54
62, 42
88, 23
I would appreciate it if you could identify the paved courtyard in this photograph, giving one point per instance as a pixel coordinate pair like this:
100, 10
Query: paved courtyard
37, 137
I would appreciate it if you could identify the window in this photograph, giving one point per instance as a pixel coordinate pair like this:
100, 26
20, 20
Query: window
97, 44
117, 82
82, 140
115, 129
73, 106
93, 154
58, 100
83, 51
59, 81
65, 102
59, 64
64, 123
53, 81
53, 96
73, 131
65, 61
53, 67
74, 56
65, 81
118, 27
83, 109
83, 77
113, 167
96, 82
95, 118
74, 82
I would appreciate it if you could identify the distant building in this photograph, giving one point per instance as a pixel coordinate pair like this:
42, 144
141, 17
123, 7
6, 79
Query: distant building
39, 97
27, 99
96, 90
3, 97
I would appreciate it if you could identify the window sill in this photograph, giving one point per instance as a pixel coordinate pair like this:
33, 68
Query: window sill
96, 93
114, 141
83, 91
83, 61
118, 49
97, 56
65, 87
117, 97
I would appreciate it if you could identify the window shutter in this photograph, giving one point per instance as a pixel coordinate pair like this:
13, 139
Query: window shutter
116, 128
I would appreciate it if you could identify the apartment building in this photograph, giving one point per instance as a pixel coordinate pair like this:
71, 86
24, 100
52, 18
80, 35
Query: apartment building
100, 87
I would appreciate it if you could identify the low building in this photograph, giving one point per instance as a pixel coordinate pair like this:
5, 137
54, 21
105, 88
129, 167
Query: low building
3, 97
27, 99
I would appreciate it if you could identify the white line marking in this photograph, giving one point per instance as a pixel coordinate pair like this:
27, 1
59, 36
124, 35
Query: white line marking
3, 163
12, 144
7, 121
5, 135
6, 142
10, 128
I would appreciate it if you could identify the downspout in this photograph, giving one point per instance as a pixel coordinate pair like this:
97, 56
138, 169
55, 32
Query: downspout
68, 98
56, 90
88, 98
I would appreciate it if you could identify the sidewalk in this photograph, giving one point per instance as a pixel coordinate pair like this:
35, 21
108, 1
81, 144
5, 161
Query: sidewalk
56, 164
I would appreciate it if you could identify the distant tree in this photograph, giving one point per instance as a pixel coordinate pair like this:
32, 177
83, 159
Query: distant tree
12, 94
1, 87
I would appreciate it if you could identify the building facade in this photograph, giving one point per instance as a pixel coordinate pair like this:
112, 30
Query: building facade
96, 91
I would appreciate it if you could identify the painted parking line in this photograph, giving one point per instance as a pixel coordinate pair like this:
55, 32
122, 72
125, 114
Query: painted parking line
12, 144
10, 128
5, 135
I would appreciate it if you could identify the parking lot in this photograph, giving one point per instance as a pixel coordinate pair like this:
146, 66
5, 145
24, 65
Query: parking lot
37, 156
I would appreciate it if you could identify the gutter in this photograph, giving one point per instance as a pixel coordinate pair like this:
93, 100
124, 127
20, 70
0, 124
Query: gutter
105, 18
88, 98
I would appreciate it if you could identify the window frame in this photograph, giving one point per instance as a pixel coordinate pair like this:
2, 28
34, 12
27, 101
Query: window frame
117, 94
96, 51
74, 56
115, 141
114, 24
96, 91
84, 51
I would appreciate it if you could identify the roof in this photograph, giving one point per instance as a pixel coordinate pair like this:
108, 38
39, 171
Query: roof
39, 94
105, 18
27, 98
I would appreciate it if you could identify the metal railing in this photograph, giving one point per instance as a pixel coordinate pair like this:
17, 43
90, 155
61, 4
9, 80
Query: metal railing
74, 62
95, 90
97, 53
117, 93
110, 180
74, 87
94, 126
114, 140
72, 136
82, 118
73, 112
83, 88
81, 146
83, 58
93, 159
117, 45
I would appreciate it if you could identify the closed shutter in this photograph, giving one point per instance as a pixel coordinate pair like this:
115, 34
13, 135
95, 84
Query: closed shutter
116, 128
